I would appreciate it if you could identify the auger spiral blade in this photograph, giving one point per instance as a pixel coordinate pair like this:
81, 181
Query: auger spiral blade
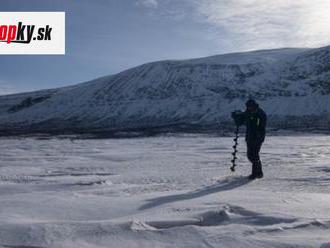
234, 153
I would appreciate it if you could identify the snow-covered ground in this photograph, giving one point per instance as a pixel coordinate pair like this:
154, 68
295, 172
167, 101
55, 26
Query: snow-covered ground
163, 192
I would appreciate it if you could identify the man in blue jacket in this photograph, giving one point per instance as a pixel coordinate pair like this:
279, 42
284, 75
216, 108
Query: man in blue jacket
255, 120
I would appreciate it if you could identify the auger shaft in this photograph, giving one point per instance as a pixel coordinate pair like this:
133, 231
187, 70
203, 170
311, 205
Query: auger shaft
234, 153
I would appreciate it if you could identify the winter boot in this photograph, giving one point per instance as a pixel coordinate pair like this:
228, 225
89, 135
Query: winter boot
254, 173
259, 173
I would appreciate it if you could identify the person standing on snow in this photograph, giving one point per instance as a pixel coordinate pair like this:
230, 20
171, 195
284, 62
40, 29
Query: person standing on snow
255, 120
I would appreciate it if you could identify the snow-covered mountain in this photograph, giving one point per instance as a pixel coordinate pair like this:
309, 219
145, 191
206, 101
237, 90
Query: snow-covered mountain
292, 85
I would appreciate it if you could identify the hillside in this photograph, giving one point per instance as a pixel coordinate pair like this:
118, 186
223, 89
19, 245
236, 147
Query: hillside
292, 85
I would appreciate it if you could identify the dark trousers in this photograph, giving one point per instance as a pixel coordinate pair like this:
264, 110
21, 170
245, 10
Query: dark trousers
253, 150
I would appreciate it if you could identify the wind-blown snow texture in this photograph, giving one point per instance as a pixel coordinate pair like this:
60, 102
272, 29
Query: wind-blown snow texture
293, 86
163, 192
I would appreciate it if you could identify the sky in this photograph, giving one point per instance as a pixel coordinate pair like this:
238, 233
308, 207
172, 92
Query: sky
105, 37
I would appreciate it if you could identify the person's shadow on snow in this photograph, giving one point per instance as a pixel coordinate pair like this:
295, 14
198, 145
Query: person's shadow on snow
225, 185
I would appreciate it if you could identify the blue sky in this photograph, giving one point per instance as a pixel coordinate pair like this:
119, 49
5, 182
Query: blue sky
107, 36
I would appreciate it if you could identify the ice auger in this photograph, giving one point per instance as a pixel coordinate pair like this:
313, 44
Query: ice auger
234, 153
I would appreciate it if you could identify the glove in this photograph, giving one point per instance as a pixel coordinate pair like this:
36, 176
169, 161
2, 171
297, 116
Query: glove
238, 117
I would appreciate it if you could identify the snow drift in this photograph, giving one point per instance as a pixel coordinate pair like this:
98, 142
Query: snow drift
166, 191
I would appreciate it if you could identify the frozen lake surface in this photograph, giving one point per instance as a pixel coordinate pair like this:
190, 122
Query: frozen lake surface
163, 192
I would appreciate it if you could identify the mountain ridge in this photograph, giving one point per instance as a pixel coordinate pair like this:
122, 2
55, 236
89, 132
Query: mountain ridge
292, 84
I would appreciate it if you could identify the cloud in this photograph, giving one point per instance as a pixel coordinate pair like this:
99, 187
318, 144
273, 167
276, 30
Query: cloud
250, 24
175, 10
237, 25
5, 89
148, 3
